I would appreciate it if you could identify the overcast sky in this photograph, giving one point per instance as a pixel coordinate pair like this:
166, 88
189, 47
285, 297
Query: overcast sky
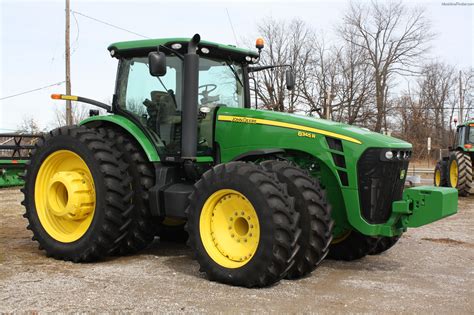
32, 40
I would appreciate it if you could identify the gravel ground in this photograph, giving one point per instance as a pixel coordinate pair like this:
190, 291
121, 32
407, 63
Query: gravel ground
430, 270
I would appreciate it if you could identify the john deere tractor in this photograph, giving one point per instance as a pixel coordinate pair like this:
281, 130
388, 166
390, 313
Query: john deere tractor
456, 168
262, 195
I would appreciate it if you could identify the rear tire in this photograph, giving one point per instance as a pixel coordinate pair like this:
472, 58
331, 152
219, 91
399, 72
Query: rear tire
351, 246
460, 172
256, 248
141, 230
315, 216
77, 194
384, 244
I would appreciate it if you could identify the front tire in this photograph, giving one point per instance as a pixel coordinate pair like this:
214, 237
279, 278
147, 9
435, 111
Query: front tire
351, 245
384, 244
77, 194
242, 225
440, 179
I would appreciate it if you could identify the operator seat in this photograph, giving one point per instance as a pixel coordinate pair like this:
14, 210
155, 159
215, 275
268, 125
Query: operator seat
163, 116
169, 120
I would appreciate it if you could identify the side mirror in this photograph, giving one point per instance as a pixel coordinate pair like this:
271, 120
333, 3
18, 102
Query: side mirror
157, 63
290, 80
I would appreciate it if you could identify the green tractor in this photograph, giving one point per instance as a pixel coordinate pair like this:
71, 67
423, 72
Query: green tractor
262, 195
456, 169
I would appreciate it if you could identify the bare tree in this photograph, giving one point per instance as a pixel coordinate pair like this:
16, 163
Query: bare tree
319, 80
29, 125
428, 110
286, 43
338, 84
356, 86
466, 87
436, 85
411, 116
78, 112
393, 37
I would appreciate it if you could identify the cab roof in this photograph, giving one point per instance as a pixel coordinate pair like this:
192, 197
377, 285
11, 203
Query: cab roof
143, 47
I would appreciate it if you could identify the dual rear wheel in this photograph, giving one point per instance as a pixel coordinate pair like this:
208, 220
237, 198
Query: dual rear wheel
78, 195
86, 194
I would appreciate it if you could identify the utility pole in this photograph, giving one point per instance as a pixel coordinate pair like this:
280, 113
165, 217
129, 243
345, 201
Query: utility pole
461, 99
68, 67
328, 103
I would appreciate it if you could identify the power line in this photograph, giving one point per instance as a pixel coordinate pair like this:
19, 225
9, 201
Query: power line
108, 24
231, 26
75, 42
77, 35
31, 91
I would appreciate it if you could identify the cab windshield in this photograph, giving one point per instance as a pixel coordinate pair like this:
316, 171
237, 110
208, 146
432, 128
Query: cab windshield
220, 83
156, 101
470, 138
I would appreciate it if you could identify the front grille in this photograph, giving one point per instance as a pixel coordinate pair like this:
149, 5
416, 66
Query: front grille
381, 182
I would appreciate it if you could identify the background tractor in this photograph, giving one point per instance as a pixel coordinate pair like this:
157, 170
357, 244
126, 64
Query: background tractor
456, 168
262, 195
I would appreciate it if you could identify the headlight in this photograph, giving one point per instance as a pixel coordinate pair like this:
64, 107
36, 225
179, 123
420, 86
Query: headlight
395, 155
389, 155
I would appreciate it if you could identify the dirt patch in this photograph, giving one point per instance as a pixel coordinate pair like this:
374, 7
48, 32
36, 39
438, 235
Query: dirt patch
447, 241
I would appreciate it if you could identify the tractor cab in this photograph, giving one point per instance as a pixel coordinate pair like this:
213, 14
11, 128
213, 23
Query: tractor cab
155, 102
464, 137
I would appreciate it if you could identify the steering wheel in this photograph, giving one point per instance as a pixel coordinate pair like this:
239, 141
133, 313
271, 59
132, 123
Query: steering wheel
209, 88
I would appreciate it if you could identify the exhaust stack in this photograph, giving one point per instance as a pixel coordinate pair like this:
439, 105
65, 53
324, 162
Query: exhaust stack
190, 101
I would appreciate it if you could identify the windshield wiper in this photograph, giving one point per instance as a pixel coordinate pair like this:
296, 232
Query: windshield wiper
235, 73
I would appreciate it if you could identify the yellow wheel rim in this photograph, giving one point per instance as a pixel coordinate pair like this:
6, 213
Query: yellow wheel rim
438, 178
453, 173
65, 196
229, 228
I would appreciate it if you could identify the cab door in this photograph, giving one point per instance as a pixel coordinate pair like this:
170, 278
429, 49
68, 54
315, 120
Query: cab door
220, 84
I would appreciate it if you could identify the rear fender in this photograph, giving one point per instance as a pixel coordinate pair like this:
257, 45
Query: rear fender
129, 126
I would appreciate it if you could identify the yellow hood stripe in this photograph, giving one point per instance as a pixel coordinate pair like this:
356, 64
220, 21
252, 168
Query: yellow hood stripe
250, 120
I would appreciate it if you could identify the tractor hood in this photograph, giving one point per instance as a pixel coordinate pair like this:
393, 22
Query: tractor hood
353, 134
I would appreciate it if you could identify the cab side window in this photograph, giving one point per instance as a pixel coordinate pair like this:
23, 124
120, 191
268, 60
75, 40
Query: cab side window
461, 136
471, 135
